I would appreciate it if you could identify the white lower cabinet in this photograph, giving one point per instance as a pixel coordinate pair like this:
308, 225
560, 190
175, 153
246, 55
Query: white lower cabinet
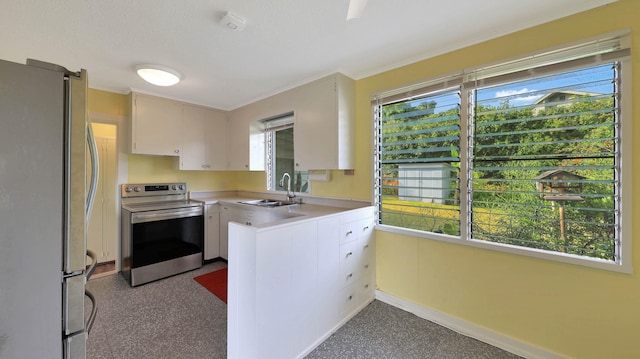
328, 305
211, 231
227, 214
243, 215
357, 259
291, 286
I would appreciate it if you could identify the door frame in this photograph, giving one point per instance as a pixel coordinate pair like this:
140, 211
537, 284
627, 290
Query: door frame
122, 163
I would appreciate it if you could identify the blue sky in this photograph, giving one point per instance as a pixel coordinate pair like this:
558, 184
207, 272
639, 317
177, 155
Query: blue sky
595, 79
592, 80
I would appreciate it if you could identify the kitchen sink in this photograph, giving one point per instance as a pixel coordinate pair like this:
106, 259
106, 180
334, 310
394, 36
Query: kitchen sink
268, 203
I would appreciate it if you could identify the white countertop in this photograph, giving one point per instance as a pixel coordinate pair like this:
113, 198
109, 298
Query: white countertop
291, 213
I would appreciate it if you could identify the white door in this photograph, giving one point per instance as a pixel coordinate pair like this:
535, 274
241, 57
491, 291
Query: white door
102, 229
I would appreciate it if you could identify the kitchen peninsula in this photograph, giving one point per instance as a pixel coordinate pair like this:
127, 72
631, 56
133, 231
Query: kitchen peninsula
295, 279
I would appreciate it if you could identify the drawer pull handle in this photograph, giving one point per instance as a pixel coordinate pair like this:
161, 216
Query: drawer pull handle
349, 254
366, 266
367, 246
365, 228
366, 286
350, 297
350, 275
349, 233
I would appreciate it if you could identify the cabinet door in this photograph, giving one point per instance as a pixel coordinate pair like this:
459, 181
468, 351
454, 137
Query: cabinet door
238, 142
325, 124
329, 304
225, 218
204, 139
316, 126
228, 214
194, 138
212, 232
245, 139
216, 151
156, 126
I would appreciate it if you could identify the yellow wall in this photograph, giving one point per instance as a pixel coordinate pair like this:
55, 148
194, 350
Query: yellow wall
145, 169
104, 130
567, 309
149, 169
107, 102
572, 310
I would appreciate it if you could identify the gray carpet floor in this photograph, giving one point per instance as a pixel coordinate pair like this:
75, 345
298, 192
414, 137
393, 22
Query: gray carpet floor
178, 318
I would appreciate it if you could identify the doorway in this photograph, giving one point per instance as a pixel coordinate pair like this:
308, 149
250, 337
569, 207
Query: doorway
103, 225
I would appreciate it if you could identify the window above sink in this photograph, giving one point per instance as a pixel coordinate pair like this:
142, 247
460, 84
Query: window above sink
279, 148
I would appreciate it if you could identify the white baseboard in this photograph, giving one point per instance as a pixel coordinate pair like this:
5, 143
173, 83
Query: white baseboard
468, 329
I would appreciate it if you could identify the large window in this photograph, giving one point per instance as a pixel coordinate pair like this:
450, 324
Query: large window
524, 156
420, 163
544, 162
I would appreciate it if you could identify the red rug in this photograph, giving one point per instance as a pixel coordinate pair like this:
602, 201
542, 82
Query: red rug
215, 282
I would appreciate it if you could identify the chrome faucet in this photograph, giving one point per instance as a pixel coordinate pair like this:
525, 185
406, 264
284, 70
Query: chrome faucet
290, 194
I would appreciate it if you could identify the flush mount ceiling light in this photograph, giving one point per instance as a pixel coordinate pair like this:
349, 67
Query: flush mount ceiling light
158, 75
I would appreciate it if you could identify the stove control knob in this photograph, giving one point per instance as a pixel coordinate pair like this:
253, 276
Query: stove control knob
127, 189
137, 189
173, 187
181, 187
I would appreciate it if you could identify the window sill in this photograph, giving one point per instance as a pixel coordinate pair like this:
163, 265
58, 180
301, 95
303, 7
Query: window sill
504, 248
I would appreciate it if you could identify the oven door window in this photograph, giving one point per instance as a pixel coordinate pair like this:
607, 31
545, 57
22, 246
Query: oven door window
158, 241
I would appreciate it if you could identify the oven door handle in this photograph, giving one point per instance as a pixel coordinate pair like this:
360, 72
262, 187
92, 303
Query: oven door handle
165, 214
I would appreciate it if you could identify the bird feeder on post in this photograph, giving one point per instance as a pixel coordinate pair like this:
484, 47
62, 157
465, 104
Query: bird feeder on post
560, 186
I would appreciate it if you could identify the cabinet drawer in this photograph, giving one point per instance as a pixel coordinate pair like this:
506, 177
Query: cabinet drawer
348, 232
348, 263
367, 266
348, 299
356, 215
366, 289
365, 227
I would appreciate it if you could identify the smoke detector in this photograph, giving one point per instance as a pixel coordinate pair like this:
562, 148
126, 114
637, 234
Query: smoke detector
233, 21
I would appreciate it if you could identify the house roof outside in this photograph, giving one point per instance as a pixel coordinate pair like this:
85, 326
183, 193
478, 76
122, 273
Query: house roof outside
556, 96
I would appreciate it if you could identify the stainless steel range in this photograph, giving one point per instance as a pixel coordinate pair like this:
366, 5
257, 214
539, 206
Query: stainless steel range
162, 231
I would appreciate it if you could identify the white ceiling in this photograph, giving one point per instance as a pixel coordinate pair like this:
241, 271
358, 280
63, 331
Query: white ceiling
285, 42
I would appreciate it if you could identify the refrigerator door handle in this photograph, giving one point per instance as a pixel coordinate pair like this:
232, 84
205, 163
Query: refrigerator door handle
95, 168
94, 311
73, 304
94, 262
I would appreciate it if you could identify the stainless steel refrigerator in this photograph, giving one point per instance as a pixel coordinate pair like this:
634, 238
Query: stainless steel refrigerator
45, 200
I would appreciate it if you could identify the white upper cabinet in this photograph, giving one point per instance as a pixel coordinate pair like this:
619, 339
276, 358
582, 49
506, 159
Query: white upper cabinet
156, 125
238, 142
324, 126
245, 146
204, 139
208, 139
324, 130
